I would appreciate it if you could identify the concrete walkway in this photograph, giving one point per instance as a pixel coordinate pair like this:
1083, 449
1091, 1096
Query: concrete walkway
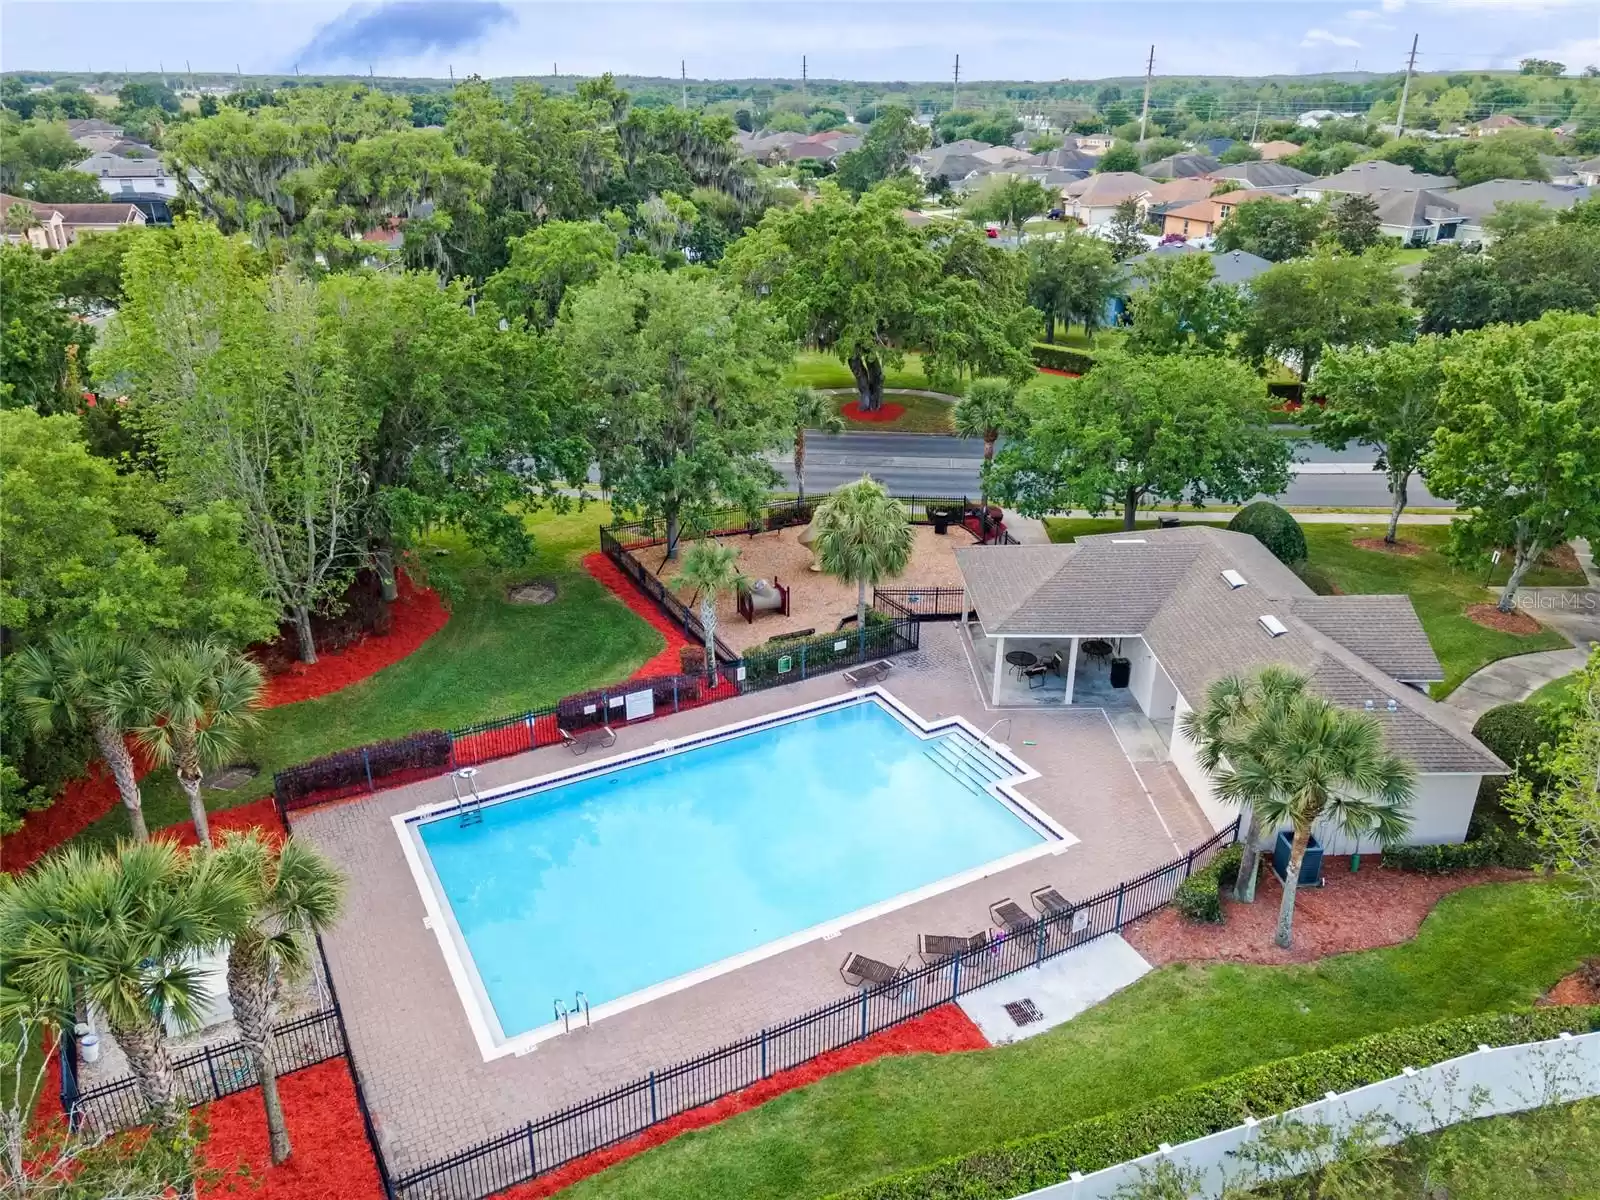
1512, 679
1057, 990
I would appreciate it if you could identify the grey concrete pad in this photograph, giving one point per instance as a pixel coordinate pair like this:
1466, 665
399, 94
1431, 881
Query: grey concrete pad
1060, 989
1512, 679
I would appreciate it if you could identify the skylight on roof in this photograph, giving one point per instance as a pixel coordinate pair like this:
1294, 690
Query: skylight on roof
1273, 626
1233, 578
1127, 541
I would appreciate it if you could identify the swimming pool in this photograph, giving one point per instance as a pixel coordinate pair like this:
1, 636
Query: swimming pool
629, 878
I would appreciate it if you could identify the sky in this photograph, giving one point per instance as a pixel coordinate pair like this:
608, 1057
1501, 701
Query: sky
886, 40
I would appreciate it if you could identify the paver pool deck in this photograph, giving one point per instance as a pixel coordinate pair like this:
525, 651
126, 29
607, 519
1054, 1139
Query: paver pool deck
430, 1091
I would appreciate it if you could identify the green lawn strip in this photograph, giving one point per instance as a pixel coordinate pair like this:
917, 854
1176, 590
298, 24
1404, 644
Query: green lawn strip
815, 369
923, 414
1485, 949
1558, 691
1439, 589
492, 659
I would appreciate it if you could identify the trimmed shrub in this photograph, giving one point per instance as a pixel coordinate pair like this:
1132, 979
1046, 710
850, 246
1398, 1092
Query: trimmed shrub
1199, 897
1099, 1142
1062, 358
1274, 528
1514, 732
692, 660
1493, 846
428, 750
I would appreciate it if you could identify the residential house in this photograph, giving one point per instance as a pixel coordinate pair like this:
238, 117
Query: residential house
1200, 218
43, 227
1264, 176
1588, 172
1481, 199
1417, 216
1001, 156
1236, 268
1273, 151
1175, 193
766, 147
120, 176
92, 127
820, 149
124, 147
1180, 166
1064, 159
1315, 118
1561, 169
1143, 623
1096, 143
953, 160
1374, 175
1498, 123
1093, 201
1216, 147
57, 226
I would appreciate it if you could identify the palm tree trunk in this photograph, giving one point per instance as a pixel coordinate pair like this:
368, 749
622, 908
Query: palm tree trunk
800, 462
1291, 883
189, 780
1244, 888
861, 609
708, 622
250, 994
114, 749
145, 1047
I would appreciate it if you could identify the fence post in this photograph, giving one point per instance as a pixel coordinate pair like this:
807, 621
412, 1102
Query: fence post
652, 1097
674, 693
863, 1012
1188, 865
211, 1068
367, 763
68, 1050
533, 1160
1121, 889
802, 660
763, 1054
452, 738
1039, 943
955, 978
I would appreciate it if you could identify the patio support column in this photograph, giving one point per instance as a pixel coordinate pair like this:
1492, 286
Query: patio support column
999, 666
1072, 672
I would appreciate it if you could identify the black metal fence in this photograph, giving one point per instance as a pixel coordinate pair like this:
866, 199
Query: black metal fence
923, 604
212, 1072
542, 1146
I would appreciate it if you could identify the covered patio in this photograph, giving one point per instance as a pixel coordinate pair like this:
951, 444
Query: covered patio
1085, 670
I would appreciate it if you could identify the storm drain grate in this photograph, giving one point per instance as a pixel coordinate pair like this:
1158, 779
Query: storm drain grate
1024, 1012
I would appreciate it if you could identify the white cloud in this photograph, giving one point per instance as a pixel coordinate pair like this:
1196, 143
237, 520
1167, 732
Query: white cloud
1323, 37
1393, 6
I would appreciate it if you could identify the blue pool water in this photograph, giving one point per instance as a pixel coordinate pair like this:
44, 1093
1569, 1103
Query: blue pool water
631, 878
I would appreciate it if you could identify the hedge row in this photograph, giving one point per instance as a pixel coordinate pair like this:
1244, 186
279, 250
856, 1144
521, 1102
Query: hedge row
1199, 897
1494, 847
1104, 1141
429, 749
1062, 358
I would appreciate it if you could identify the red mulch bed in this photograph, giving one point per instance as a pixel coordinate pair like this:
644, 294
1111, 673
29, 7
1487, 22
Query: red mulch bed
1580, 987
415, 616
1053, 371
1491, 617
81, 803
1377, 906
258, 814
943, 1030
1403, 548
884, 413
330, 1160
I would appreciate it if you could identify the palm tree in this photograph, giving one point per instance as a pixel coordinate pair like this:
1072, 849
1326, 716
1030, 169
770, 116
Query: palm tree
1303, 759
862, 534
987, 410
197, 698
88, 682
1220, 727
710, 569
812, 410
292, 891
119, 931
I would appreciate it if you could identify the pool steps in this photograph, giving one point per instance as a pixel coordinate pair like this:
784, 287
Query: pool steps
968, 762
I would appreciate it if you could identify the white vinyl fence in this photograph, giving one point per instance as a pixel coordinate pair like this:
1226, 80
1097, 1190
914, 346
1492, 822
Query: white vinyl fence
1490, 1082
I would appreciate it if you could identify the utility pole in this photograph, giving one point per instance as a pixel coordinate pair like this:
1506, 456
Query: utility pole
955, 92
802, 77
1405, 88
1255, 124
683, 76
1144, 113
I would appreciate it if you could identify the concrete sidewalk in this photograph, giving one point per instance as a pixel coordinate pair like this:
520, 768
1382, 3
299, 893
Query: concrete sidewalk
1512, 679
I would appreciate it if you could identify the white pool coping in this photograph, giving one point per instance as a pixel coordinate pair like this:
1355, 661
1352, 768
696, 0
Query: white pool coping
485, 1025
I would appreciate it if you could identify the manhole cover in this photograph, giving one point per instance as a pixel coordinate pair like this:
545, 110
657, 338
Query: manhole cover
1024, 1012
229, 778
537, 592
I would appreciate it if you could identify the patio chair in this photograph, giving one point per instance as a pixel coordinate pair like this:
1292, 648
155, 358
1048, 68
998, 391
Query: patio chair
1010, 916
1035, 675
935, 947
858, 970
585, 739
872, 673
1050, 902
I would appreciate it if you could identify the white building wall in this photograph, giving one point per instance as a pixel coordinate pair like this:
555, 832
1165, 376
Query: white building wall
1148, 680
1220, 814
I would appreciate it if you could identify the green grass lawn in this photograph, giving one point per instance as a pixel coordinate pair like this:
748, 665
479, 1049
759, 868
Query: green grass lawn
1558, 691
492, 659
1438, 589
1484, 949
923, 414
818, 370
1409, 255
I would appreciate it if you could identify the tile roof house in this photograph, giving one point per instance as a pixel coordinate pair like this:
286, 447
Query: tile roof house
1064, 159
1273, 151
1417, 217
1174, 610
121, 176
1180, 166
92, 127
1498, 123
1200, 218
1001, 155
1588, 172
42, 228
1374, 175
1263, 176
1094, 200
1232, 267
56, 226
1480, 200
1177, 192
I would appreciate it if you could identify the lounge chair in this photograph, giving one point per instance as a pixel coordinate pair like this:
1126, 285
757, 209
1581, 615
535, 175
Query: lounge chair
1050, 902
584, 739
858, 970
1010, 916
934, 947
872, 673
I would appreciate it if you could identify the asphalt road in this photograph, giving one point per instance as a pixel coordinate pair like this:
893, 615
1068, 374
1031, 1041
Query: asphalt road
935, 464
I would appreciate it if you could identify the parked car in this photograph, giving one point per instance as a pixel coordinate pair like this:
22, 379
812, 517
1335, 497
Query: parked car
992, 230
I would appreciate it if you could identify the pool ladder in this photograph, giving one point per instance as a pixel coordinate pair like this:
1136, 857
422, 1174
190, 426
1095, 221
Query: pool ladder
580, 1003
469, 806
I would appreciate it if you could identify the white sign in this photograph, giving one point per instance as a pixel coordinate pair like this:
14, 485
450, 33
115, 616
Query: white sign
641, 704
840, 644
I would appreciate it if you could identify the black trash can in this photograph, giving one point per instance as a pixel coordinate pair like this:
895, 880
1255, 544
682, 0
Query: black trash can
1121, 671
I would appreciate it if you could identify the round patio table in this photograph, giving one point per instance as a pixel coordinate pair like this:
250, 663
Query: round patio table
1097, 650
1021, 659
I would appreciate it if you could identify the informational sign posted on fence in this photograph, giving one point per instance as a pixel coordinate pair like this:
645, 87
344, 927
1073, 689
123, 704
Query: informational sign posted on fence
640, 704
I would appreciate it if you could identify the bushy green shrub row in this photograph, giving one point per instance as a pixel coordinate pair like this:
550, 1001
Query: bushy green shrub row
1062, 358
1103, 1141
1199, 897
1494, 846
1275, 528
